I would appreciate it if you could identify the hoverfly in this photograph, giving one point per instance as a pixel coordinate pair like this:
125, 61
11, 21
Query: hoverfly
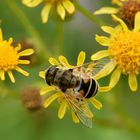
77, 84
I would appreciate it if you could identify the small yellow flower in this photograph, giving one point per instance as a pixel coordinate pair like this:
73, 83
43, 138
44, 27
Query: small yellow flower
52, 93
126, 10
10, 58
123, 50
62, 6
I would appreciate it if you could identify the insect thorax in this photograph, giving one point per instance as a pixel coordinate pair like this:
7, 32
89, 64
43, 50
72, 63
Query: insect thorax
62, 78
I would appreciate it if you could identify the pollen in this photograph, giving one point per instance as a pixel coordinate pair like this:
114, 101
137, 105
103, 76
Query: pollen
8, 57
125, 49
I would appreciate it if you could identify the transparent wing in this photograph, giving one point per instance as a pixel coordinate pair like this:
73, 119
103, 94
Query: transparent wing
81, 110
92, 68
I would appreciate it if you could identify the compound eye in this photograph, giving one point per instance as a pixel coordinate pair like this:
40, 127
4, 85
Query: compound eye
50, 74
48, 78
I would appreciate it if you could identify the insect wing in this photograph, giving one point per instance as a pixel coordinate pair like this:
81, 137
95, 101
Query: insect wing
80, 110
92, 68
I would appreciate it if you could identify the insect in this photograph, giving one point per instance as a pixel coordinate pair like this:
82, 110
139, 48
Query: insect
77, 85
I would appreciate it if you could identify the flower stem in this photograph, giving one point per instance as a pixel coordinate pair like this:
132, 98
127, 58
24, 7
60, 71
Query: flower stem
87, 14
40, 45
59, 37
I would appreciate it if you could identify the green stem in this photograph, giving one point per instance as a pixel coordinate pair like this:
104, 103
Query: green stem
59, 37
40, 45
87, 14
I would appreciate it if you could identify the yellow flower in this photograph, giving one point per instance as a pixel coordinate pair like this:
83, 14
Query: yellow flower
123, 50
10, 58
126, 10
62, 6
59, 95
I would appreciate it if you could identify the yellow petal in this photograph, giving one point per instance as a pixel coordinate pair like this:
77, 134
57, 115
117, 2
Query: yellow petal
42, 74
18, 48
25, 62
1, 36
62, 109
81, 58
106, 10
75, 118
115, 77
47, 89
124, 26
26, 52
132, 79
108, 29
63, 60
10, 41
31, 3
100, 55
26, 1
105, 41
11, 76
104, 89
45, 12
2, 75
106, 70
68, 6
96, 103
118, 2
137, 22
61, 11
49, 100
53, 61
21, 71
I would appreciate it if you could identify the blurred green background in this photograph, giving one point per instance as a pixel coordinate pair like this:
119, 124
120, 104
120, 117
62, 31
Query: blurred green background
120, 116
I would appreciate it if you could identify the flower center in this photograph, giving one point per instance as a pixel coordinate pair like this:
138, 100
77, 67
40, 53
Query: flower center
125, 49
128, 10
8, 57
